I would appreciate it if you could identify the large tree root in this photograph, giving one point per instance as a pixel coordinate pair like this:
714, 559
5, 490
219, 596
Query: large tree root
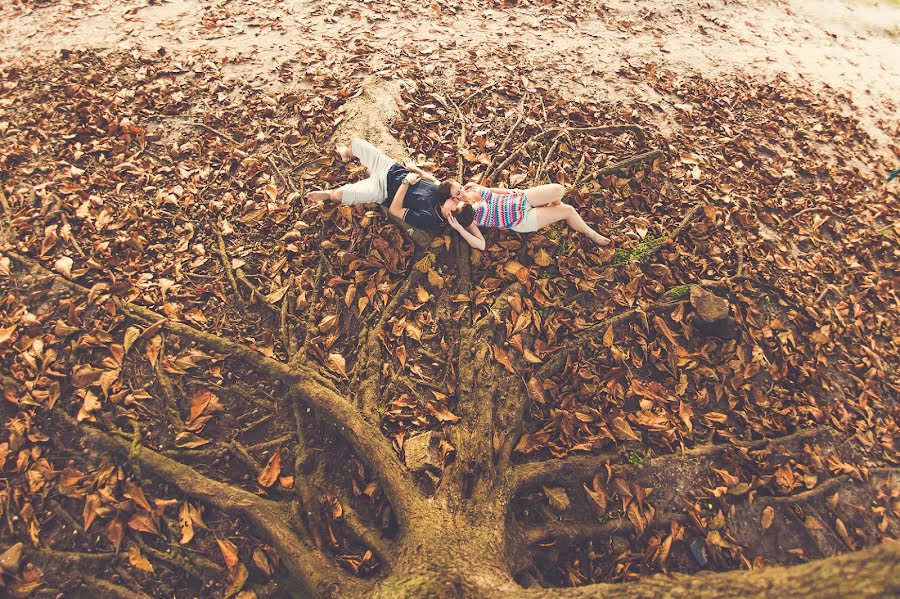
873, 572
581, 467
309, 567
574, 532
306, 385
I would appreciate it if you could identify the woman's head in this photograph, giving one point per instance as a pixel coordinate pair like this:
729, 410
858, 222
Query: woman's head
450, 189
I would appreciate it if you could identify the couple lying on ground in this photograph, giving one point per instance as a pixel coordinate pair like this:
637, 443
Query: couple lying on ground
423, 201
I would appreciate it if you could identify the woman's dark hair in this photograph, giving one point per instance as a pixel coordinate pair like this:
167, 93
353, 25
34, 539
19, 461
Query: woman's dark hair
443, 192
465, 216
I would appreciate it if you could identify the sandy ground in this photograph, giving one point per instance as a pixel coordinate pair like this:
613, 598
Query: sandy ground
581, 49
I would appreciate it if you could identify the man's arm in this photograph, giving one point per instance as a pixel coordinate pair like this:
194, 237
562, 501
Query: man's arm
396, 207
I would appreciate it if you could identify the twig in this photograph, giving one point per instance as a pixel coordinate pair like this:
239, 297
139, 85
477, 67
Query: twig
804, 211
287, 335
509, 135
476, 92
618, 166
5, 203
226, 262
635, 130
265, 445
547, 157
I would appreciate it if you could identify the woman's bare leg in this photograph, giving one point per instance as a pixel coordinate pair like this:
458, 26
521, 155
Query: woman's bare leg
545, 195
547, 215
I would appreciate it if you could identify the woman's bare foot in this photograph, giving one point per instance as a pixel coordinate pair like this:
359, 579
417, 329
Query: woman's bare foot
344, 152
601, 240
318, 196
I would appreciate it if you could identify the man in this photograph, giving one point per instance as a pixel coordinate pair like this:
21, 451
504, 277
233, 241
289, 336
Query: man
411, 194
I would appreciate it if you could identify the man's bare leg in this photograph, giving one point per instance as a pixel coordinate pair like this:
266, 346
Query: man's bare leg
335, 195
345, 153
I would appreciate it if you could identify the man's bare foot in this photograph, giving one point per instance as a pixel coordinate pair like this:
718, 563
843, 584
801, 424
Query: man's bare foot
344, 152
318, 196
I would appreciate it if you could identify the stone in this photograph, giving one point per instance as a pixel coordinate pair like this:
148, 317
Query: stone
709, 306
12, 559
420, 452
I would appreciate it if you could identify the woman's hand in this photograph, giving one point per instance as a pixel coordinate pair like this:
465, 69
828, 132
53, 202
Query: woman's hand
411, 179
454, 223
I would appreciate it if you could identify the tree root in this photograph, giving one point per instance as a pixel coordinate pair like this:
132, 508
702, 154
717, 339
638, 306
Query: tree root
109, 589
74, 557
872, 572
226, 264
490, 170
548, 133
574, 532
179, 562
829, 485
170, 404
619, 166
581, 467
309, 567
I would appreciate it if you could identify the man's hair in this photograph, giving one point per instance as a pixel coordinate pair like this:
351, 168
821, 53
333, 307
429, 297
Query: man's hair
443, 191
465, 216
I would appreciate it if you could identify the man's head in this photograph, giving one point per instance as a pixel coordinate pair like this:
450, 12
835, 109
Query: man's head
450, 194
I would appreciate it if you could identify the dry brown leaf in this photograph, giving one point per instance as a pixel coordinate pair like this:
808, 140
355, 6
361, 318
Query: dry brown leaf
271, 471
557, 498
229, 552
768, 516
622, 430
137, 559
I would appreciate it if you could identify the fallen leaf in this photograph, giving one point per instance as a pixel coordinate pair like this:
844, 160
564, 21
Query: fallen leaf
137, 559
557, 498
271, 471
229, 552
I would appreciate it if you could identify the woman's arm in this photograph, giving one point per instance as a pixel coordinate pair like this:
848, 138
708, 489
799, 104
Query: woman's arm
500, 190
396, 207
476, 233
475, 240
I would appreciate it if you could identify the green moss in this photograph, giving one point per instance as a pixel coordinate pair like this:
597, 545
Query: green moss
635, 458
639, 253
678, 292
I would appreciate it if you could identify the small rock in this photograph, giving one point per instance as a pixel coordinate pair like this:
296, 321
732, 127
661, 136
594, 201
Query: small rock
709, 306
12, 559
420, 452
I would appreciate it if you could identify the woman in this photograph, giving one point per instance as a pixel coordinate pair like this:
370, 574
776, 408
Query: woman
521, 210
410, 194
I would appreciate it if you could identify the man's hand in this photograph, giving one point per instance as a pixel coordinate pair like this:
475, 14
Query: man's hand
411, 179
